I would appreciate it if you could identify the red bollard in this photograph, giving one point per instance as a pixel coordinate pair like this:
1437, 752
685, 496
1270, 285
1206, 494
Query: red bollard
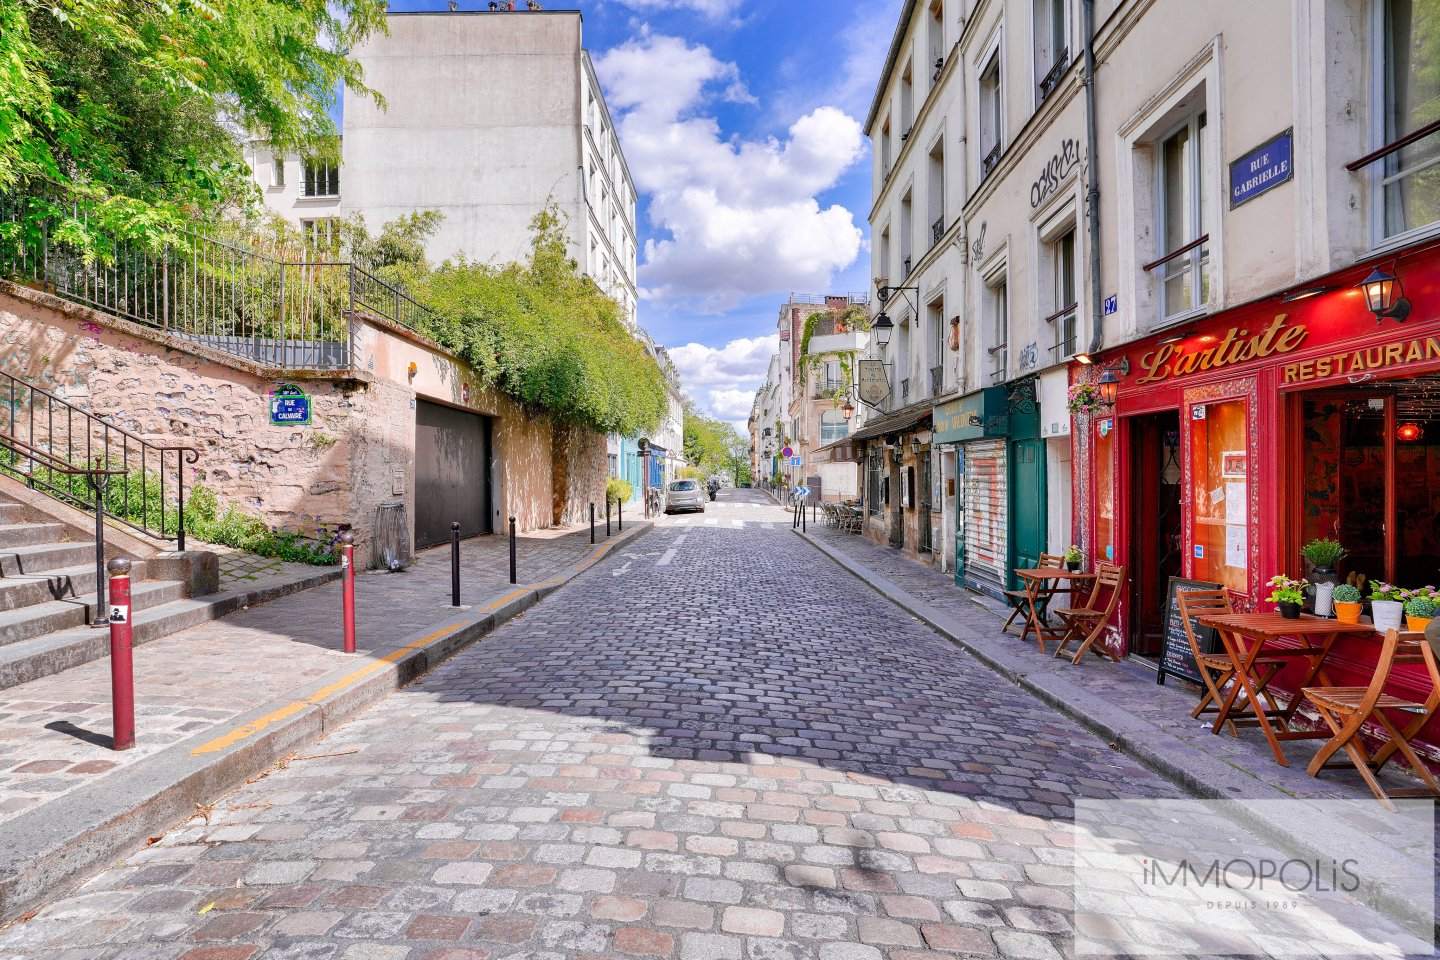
122, 667
347, 589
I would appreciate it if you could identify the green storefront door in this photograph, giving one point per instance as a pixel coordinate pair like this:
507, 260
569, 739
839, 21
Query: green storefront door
1028, 508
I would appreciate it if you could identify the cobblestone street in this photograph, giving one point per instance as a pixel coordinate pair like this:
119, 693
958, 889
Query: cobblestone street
722, 746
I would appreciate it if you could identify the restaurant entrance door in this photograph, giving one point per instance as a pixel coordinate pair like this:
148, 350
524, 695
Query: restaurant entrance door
1370, 477
1155, 548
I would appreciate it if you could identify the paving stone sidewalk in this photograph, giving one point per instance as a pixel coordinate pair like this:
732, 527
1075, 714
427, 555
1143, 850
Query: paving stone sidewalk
54, 731
1127, 691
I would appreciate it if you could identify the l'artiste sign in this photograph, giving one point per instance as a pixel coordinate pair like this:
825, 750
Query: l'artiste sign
1239, 345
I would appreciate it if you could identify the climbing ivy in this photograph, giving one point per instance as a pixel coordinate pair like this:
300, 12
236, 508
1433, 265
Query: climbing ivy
854, 317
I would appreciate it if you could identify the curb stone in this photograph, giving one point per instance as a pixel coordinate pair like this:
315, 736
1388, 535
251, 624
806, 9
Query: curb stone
53, 848
1202, 777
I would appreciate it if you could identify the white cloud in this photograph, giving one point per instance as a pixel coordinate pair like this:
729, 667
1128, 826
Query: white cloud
741, 216
722, 380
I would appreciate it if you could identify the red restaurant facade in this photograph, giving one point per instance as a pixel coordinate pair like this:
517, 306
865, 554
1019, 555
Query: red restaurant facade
1236, 438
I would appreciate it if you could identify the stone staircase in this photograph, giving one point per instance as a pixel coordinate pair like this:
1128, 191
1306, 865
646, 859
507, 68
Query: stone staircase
47, 599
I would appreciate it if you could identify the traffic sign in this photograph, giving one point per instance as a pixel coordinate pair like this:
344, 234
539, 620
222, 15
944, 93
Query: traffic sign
794, 461
802, 492
787, 452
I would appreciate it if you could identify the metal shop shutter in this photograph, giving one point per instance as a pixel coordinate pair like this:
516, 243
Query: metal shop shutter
985, 520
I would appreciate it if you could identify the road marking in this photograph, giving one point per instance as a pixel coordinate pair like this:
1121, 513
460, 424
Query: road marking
665, 558
621, 569
681, 539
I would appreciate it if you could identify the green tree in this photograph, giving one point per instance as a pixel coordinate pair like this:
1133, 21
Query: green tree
545, 334
713, 445
120, 119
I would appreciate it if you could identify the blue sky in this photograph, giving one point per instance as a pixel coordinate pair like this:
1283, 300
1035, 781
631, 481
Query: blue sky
740, 120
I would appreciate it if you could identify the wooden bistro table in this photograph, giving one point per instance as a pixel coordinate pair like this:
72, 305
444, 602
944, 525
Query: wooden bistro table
1247, 637
1036, 579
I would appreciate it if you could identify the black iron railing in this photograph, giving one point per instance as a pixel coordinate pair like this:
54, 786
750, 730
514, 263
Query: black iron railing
86, 461
280, 309
1051, 80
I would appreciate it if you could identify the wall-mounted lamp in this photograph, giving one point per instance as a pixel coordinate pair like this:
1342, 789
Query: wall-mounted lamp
1108, 386
1084, 358
412, 369
1385, 296
882, 328
847, 409
1303, 293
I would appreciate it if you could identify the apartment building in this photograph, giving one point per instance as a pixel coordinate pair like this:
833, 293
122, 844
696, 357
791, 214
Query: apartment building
489, 117
916, 128
820, 338
767, 426
1180, 279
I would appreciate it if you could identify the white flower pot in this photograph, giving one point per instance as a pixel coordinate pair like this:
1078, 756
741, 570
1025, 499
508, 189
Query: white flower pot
1387, 614
1324, 594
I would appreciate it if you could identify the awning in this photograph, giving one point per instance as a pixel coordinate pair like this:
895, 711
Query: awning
898, 422
852, 448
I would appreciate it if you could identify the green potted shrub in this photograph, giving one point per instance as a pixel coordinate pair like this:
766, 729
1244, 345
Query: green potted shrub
1348, 603
1073, 557
1419, 611
1323, 554
1287, 595
1386, 605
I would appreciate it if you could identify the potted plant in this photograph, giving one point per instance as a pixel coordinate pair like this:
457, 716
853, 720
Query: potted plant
1419, 611
1348, 603
1288, 595
1386, 605
1323, 554
1085, 398
1073, 557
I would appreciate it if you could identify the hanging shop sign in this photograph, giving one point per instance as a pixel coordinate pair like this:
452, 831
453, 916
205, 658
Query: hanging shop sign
874, 382
289, 406
1262, 169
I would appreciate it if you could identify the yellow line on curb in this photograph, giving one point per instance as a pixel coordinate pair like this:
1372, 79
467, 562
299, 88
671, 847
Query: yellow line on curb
248, 730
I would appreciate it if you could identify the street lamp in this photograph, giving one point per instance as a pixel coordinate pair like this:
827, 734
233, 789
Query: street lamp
847, 409
1384, 295
882, 328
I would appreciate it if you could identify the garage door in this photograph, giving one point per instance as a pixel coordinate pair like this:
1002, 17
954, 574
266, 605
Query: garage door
452, 473
985, 519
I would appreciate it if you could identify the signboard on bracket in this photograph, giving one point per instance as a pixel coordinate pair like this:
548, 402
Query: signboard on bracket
874, 382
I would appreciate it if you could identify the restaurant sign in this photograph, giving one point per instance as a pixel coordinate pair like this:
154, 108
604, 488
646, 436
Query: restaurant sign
975, 416
1238, 345
1364, 360
874, 382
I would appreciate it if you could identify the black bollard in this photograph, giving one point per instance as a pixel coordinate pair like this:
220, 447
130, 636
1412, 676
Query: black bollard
512, 549
607, 518
592, 523
620, 515
455, 564
802, 517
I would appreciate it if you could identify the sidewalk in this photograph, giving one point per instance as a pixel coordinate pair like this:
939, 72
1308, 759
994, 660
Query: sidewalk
1122, 703
221, 702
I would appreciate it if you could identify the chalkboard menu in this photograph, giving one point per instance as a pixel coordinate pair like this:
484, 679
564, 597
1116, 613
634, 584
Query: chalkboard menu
1176, 658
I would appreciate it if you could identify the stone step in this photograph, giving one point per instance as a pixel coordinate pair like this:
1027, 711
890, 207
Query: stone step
22, 590
29, 534
49, 654
42, 618
11, 512
44, 557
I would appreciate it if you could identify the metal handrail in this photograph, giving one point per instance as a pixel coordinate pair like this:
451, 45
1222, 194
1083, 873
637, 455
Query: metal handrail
1179, 251
1061, 312
56, 436
1419, 133
267, 308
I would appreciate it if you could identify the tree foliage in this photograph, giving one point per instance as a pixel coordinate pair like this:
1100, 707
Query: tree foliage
545, 334
132, 110
715, 447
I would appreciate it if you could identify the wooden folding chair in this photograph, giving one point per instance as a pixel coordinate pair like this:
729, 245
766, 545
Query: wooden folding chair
1346, 709
1091, 620
1215, 669
1019, 600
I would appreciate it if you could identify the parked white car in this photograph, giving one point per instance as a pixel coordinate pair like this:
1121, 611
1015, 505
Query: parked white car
684, 495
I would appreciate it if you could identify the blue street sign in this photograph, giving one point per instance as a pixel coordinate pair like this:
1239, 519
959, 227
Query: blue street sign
1112, 303
289, 406
1267, 166
802, 492
794, 461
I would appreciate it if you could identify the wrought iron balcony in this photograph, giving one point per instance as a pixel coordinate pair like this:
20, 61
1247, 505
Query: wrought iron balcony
937, 229
990, 162
999, 362
1051, 80
904, 391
